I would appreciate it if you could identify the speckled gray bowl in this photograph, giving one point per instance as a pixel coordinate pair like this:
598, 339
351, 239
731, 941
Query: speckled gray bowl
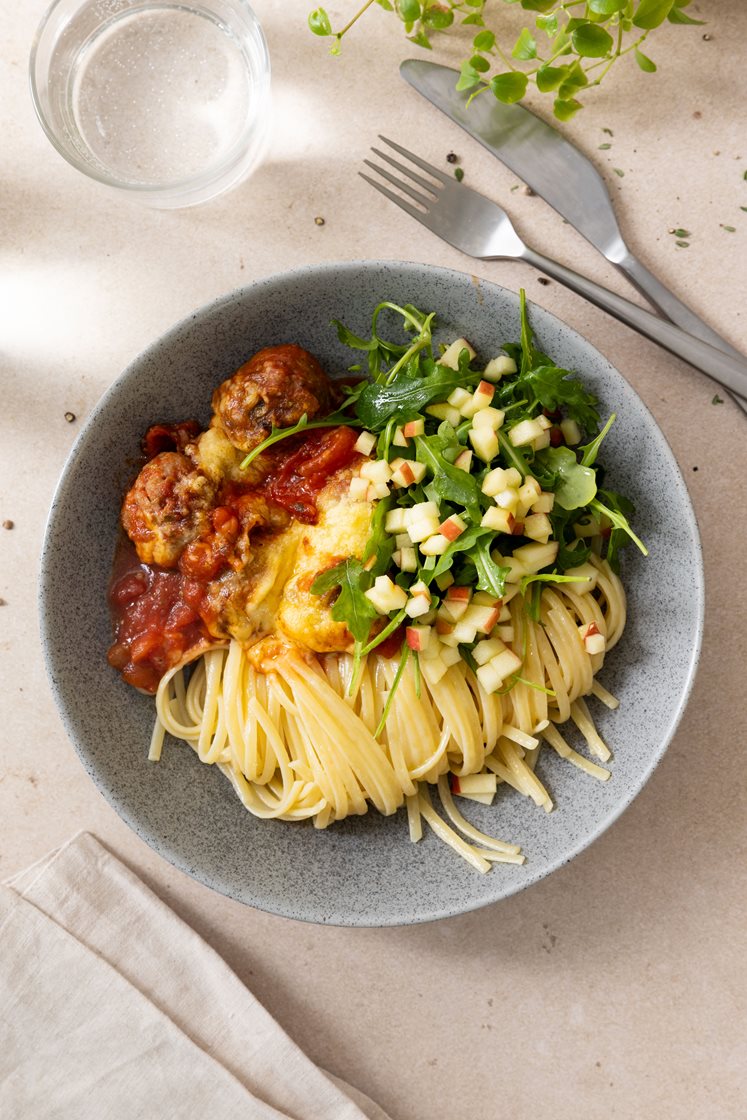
363, 871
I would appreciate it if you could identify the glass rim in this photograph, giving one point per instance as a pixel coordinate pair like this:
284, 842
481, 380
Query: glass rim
194, 184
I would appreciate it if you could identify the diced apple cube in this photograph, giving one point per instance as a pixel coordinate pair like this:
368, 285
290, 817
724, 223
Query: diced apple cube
395, 521
453, 527
450, 655
365, 443
414, 428
433, 669
529, 491
544, 423
399, 439
463, 461
377, 490
450, 356
482, 618
484, 442
592, 637
537, 527
499, 367
489, 418
500, 479
376, 470
416, 606
485, 599
445, 412
524, 433
535, 557
505, 633
407, 472
386, 596
358, 489
499, 520
507, 499
489, 678
435, 545
571, 432
464, 632
422, 529
458, 594
443, 625
505, 663
445, 581
421, 588
459, 397
421, 509
479, 400
408, 559
587, 576
541, 442
484, 651
543, 503
516, 570
418, 637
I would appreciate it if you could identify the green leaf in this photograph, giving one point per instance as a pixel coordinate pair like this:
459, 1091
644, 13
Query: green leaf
484, 41
380, 543
509, 88
589, 451
319, 22
576, 486
450, 483
565, 108
644, 62
407, 396
474, 21
525, 46
468, 77
575, 81
408, 10
678, 16
538, 5
550, 77
438, 17
555, 388
614, 509
606, 7
477, 62
420, 40
651, 13
592, 41
491, 577
548, 24
351, 605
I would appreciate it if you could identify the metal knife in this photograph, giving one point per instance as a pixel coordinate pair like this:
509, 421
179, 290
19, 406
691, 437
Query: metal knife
560, 174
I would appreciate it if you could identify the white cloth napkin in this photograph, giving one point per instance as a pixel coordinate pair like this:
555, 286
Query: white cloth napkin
112, 1007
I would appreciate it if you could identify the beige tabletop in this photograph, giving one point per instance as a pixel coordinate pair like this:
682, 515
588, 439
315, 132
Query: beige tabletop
616, 987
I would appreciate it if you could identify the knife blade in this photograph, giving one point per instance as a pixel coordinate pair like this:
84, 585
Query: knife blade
563, 176
560, 174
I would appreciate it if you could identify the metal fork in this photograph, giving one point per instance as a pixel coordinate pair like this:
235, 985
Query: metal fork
479, 227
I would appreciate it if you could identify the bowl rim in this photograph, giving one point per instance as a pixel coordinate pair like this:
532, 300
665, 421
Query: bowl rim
423, 915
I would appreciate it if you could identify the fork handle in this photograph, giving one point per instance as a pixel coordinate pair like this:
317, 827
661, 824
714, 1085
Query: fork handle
673, 308
729, 371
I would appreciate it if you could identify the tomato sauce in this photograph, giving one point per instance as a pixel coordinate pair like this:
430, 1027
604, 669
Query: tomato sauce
161, 615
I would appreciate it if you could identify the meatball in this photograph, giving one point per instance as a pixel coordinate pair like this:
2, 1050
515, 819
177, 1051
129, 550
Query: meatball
273, 389
168, 506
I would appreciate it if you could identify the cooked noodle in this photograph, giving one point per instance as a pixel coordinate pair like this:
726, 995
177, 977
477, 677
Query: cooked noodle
299, 740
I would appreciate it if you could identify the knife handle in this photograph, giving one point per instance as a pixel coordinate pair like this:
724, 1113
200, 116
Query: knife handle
674, 309
729, 371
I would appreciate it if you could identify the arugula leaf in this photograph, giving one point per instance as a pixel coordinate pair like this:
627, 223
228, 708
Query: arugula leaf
449, 482
405, 397
554, 388
490, 576
351, 606
589, 451
464, 543
380, 543
575, 485
617, 509
303, 425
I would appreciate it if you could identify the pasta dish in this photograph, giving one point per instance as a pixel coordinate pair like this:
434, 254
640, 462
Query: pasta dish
355, 591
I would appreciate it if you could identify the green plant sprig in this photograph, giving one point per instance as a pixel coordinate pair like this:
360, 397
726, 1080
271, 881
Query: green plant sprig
584, 39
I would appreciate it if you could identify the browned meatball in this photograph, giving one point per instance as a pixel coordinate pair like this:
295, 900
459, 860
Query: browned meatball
273, 389
167, 506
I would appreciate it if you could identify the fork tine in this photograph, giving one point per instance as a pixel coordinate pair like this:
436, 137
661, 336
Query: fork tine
416, 196
407, 171
421, 163
417, 214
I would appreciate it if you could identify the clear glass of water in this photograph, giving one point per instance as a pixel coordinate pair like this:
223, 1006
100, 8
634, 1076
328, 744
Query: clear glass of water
166, 101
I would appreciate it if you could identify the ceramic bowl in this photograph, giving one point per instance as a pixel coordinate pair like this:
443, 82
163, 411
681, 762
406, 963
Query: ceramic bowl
364, 871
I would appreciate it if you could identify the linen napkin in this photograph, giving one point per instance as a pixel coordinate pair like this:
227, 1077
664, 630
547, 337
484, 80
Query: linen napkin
112, 1007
